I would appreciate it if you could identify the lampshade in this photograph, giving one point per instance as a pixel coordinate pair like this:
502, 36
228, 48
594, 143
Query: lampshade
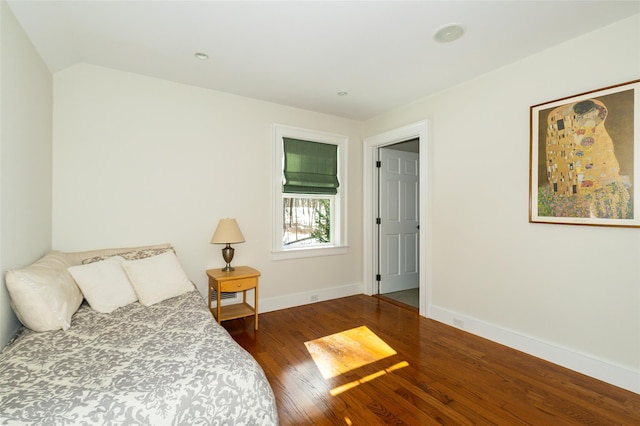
227, 232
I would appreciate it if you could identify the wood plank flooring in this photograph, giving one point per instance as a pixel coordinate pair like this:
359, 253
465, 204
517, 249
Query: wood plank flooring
439, 374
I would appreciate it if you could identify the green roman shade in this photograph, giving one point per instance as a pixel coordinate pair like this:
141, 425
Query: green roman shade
310, 167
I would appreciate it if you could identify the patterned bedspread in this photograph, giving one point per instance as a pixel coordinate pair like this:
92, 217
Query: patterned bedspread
167, 364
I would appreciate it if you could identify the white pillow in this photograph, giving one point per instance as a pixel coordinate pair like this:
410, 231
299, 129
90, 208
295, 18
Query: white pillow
44, 295
104, 284
157, 278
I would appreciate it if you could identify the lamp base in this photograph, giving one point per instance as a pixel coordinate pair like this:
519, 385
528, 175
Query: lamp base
227, 255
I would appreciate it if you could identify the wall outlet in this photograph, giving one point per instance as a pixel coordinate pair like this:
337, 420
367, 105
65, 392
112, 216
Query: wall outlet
458, 322
314, 297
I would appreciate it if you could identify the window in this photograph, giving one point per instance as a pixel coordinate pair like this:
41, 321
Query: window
309, 188
306, 221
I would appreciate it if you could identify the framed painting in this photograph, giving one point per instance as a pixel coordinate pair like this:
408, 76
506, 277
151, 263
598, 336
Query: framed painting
584, 157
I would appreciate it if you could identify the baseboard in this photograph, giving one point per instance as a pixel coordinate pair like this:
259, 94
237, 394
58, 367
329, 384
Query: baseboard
307, 297
616, 375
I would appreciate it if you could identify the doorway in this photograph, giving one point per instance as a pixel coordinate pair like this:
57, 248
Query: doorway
416, 132
398, 222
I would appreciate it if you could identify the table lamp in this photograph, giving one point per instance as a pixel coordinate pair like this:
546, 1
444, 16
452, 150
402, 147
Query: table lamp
227, 233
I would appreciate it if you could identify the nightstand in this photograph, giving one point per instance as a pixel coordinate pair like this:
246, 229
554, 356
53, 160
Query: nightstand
243, 278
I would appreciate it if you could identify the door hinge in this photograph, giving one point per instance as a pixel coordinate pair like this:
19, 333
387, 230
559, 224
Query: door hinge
378, 164
378, 221
378, 277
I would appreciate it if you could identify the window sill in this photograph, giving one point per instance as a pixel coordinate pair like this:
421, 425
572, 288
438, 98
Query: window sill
308, 252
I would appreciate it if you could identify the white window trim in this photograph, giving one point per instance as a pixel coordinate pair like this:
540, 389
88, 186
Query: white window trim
278, 252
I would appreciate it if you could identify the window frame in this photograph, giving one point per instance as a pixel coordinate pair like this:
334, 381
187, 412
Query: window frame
339, 215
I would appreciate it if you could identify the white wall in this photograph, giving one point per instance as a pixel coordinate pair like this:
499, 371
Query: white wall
138, 160
570, 294
25, 157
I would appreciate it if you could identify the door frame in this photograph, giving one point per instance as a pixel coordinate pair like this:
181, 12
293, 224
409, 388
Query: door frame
370, 197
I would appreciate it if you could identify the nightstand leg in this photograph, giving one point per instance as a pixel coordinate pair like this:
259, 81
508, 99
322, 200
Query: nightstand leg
255, 302
209, 301
218, 304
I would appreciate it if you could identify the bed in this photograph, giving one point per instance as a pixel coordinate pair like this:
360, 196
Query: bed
163, 363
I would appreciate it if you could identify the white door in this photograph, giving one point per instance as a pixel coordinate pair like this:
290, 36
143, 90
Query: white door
399, 220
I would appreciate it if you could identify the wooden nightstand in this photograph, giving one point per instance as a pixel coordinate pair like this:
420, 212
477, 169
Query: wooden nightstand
242, 279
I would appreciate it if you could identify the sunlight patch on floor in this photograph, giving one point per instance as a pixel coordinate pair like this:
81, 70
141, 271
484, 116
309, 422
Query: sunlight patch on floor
342, 352
343, 388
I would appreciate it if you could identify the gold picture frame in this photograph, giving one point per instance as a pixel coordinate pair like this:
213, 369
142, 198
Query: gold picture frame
583, 156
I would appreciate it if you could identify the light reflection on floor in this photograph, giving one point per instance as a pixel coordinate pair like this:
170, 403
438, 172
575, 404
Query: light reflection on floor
341, 352
350, 349
343, 388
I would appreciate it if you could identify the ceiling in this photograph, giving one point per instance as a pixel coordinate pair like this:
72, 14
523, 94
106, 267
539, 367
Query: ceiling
302, 54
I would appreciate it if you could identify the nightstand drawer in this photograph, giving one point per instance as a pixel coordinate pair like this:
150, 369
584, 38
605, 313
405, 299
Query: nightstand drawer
238, 285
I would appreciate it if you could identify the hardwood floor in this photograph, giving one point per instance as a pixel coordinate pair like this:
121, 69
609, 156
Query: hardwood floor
438, 375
